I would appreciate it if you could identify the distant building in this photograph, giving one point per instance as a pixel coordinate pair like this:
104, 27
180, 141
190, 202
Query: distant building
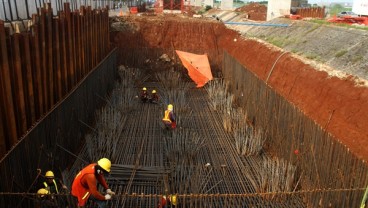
360, 7
278, 8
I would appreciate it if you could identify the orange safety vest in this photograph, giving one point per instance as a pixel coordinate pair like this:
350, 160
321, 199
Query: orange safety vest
167, 117
78, 190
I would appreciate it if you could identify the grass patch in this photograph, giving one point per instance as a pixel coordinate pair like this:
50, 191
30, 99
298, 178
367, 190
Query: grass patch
340, 53
312, 56
315, 27
357, 59
279, 42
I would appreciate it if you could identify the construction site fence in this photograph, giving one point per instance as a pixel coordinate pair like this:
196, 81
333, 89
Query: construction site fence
51, 143
313, 12
184, 200
42, 60
15, 10
322, 161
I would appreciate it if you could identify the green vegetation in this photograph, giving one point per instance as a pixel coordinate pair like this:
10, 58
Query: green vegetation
337, 8
312, 56
357, 59
313, 28
279, 42
340, 53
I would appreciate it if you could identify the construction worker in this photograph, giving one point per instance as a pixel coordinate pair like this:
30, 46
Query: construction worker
85, 183
168, 201
53, 186
45, 199
169, 117
144, 95
154, 97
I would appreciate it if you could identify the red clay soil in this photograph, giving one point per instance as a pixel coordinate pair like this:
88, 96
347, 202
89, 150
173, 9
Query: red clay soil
255, 11
340, 103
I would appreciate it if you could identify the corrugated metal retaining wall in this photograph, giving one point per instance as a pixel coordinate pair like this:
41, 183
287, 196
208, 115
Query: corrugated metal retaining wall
12, 10
323, 162
64, 126
40, 66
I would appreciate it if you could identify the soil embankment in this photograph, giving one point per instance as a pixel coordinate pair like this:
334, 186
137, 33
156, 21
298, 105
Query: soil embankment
337, 104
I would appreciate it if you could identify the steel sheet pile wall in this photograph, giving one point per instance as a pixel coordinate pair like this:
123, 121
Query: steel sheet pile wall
63, 127
323, 163
41, 65
14, 10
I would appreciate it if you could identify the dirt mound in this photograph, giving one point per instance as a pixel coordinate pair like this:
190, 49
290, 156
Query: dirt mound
255, 11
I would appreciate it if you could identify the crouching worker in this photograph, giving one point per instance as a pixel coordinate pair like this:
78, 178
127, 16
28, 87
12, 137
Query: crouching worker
45, 199
169, 118
85, 184
144, 95
154, 97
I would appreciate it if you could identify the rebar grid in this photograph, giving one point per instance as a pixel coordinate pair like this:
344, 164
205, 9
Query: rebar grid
199, 157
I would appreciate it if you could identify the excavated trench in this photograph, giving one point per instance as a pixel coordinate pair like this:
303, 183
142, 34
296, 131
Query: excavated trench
337, 105
313, 121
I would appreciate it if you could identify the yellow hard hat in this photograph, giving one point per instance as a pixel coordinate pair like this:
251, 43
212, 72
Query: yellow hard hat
173, 200
153, 91
144, 88
49, 174
42, 191
170, 107
105, 164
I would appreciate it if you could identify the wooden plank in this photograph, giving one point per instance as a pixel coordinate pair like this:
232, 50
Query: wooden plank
17, 83
44, 71
88, 38
75, 17
37, 73
7, 101
50, 54
83, 41
2, 126
63, 52
57, 61
70, 42
27, 75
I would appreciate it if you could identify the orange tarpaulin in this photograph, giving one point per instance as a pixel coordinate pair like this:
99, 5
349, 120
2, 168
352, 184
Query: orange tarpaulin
198, 67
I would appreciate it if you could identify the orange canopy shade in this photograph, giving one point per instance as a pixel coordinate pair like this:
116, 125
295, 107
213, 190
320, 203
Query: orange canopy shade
198, 67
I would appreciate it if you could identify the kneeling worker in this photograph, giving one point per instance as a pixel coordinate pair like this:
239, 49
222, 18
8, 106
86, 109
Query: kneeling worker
154, 97
85, 183
169, 118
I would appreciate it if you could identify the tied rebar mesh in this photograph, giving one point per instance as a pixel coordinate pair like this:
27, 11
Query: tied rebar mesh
200, 162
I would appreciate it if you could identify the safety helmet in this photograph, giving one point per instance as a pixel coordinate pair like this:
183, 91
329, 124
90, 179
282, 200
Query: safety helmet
170, 107
173, 200
105, 164
49, 174
42, 191
153, 91
144, 88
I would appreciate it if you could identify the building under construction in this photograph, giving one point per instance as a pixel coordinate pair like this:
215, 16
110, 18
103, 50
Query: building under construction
264, 132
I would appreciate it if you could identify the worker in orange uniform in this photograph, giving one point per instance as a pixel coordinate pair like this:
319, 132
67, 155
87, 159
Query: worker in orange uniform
154, 97
169, 117
85, 184
144, 95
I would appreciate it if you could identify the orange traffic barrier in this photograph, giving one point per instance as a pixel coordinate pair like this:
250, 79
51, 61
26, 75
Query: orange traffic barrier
133, 10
